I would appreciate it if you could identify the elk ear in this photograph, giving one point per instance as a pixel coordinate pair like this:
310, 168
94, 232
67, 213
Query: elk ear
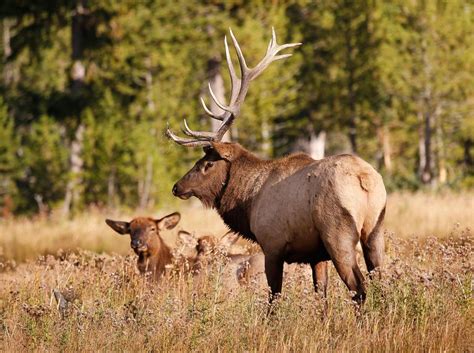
225, 150
168, 222
119, 226
228, 239
187, 238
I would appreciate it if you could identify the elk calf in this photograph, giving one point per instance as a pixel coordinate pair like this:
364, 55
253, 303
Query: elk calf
153, 254
199, 251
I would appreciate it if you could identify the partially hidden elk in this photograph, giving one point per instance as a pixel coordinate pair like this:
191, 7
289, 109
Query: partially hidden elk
194, 254
199, 251
296, 208
154, 256
241, 268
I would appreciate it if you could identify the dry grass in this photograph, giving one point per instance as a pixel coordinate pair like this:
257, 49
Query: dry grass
22, 239
422, 214
408, 215
424, 302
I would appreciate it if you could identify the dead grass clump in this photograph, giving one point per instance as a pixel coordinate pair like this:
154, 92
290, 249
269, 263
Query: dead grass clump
423, 303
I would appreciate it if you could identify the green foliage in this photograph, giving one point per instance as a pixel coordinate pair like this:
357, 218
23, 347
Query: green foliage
44, 154
369, 74
9, 166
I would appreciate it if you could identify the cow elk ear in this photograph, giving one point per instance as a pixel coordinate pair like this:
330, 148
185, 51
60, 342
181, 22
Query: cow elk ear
168, 222
187, 238
119, 226
224, 150
228, 239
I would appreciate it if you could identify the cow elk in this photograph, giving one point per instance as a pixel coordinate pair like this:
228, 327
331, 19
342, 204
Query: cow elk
296, 208
154, 256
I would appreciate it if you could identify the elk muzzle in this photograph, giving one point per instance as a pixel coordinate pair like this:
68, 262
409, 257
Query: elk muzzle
181, 192
138, 246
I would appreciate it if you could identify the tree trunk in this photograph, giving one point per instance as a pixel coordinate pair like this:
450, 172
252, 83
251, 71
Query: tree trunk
425, 167
7, 51
427, 175
266, 137
145, 184
217, 84
111, 189
43, 209
149, 86
384, 140
421, 145
73, 193
78, 73
467, 157
351, 93
440, 152
317, 145
146, 187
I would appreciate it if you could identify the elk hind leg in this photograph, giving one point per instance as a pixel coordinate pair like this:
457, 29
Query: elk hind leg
341, 245
373, 246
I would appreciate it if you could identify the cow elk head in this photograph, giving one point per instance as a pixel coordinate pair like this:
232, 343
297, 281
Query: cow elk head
144, 231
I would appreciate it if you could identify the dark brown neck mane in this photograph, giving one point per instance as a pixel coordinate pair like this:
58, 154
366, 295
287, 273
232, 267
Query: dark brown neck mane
245, 178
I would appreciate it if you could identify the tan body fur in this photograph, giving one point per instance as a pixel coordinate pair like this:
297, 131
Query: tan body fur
296, 208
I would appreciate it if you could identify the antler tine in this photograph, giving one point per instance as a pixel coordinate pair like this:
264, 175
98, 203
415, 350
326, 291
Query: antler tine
239, 90
234, 80
214, 98
273, 41
186, 142
208, 111
198, 134
271, 55
243, 65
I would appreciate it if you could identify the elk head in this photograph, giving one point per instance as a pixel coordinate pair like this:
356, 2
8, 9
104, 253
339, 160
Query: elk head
207, 244
210, 174
144, 231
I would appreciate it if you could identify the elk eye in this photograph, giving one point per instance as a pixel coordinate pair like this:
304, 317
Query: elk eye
208, 165
152, 229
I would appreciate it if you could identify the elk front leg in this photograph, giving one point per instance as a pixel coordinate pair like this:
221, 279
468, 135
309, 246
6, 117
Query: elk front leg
274, 273
320, 277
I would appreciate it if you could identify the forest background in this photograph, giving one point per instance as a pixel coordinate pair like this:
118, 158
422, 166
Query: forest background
87, 88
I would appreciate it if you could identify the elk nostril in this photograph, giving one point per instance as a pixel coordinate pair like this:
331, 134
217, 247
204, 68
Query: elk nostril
175, 190
135, 244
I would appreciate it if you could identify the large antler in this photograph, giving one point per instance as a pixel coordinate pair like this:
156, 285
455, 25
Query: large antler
240, 87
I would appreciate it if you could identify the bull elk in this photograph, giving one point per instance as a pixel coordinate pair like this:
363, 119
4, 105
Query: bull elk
296, 208
145, 240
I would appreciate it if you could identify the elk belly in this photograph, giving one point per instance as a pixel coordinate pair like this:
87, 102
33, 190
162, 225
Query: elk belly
305, 248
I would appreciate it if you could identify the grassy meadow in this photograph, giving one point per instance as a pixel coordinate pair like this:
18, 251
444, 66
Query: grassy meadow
72, 286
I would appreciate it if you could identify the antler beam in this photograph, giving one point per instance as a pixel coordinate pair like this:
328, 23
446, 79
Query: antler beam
239, 91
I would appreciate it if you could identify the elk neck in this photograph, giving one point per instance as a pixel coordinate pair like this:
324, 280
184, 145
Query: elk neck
244, 180
156, 258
